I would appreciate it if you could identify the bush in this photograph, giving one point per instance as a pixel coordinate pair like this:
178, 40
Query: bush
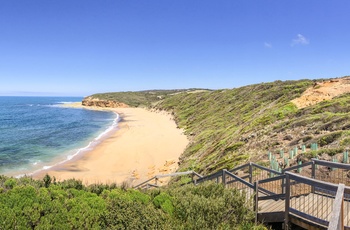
62, 206
209, 206
329, 138
164, 201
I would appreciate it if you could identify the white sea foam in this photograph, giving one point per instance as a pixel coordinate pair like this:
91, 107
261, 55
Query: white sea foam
66, 102
90, 146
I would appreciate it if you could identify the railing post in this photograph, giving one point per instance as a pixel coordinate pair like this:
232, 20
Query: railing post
337, 214
250, 172
224, 177
194, 181
283, 184
313, 175
313, 171
256, 200
287, 203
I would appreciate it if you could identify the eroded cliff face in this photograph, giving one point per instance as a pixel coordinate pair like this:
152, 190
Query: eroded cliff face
90, 101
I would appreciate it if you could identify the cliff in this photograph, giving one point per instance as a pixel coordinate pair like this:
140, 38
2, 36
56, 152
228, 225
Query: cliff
91, 101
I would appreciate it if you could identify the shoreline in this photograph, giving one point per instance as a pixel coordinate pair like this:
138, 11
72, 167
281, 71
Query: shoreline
144, 144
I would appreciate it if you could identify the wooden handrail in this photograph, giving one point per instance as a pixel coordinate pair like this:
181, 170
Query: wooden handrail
240, 167
266, 169
337, 216
167, 175
210, 177
145, 182
297, 166
239, 179
331, 164
311, 181
289, 179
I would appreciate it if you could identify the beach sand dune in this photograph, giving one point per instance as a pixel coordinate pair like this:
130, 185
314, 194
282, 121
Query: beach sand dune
146, 144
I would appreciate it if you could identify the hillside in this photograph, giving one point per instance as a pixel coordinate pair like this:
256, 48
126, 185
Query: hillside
145, 98
230, 126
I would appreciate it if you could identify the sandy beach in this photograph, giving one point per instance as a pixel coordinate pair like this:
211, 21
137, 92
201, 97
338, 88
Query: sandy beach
146, 144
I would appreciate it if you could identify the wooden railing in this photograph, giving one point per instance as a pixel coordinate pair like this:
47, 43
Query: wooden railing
304, 196
320, 196
310, 199
147, 184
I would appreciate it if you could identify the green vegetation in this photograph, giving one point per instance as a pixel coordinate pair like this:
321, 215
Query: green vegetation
141, 98
230, 126
31, 204
225, 126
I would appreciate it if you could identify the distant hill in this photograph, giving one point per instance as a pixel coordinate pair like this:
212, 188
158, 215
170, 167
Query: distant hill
230, 126
145, 98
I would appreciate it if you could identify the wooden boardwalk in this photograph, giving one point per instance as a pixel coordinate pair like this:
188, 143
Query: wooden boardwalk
320, 200
290, 198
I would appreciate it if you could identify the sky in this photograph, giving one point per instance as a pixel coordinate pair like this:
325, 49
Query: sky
81, 47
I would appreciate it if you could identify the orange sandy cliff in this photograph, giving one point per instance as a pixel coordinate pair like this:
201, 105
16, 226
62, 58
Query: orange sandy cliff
322, 91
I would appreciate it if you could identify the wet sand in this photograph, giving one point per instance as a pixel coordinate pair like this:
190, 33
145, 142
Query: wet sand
146, 144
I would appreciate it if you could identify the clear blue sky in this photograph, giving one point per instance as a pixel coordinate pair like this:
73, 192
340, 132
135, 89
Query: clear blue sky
80, 47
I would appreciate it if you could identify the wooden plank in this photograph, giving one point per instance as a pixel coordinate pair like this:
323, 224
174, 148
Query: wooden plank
337, 215
271, 217
145, 182
272, 197
239, 167
321, 207
271, 206
174, 174
332, 164
262, 205
312, 182
297, 166
276, 206
280, 177
306, 224
310, 203
307, 217
266, 169
346, 213
239, 179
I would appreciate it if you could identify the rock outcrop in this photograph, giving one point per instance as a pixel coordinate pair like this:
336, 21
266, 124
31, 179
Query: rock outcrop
91, 101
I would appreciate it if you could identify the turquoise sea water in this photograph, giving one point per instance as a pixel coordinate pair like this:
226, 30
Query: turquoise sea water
38, 132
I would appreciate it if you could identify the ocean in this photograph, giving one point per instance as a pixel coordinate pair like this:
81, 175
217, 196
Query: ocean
37, 133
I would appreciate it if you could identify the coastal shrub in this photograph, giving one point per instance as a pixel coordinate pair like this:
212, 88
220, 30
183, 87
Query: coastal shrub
72, 183
235, 146
209, 206
345, 142
10, 183
164, 202
329, 138
126, 212
330, 152
288, 110
47, 180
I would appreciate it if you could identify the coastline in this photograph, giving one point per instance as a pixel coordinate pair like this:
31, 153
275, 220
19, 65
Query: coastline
145, 144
